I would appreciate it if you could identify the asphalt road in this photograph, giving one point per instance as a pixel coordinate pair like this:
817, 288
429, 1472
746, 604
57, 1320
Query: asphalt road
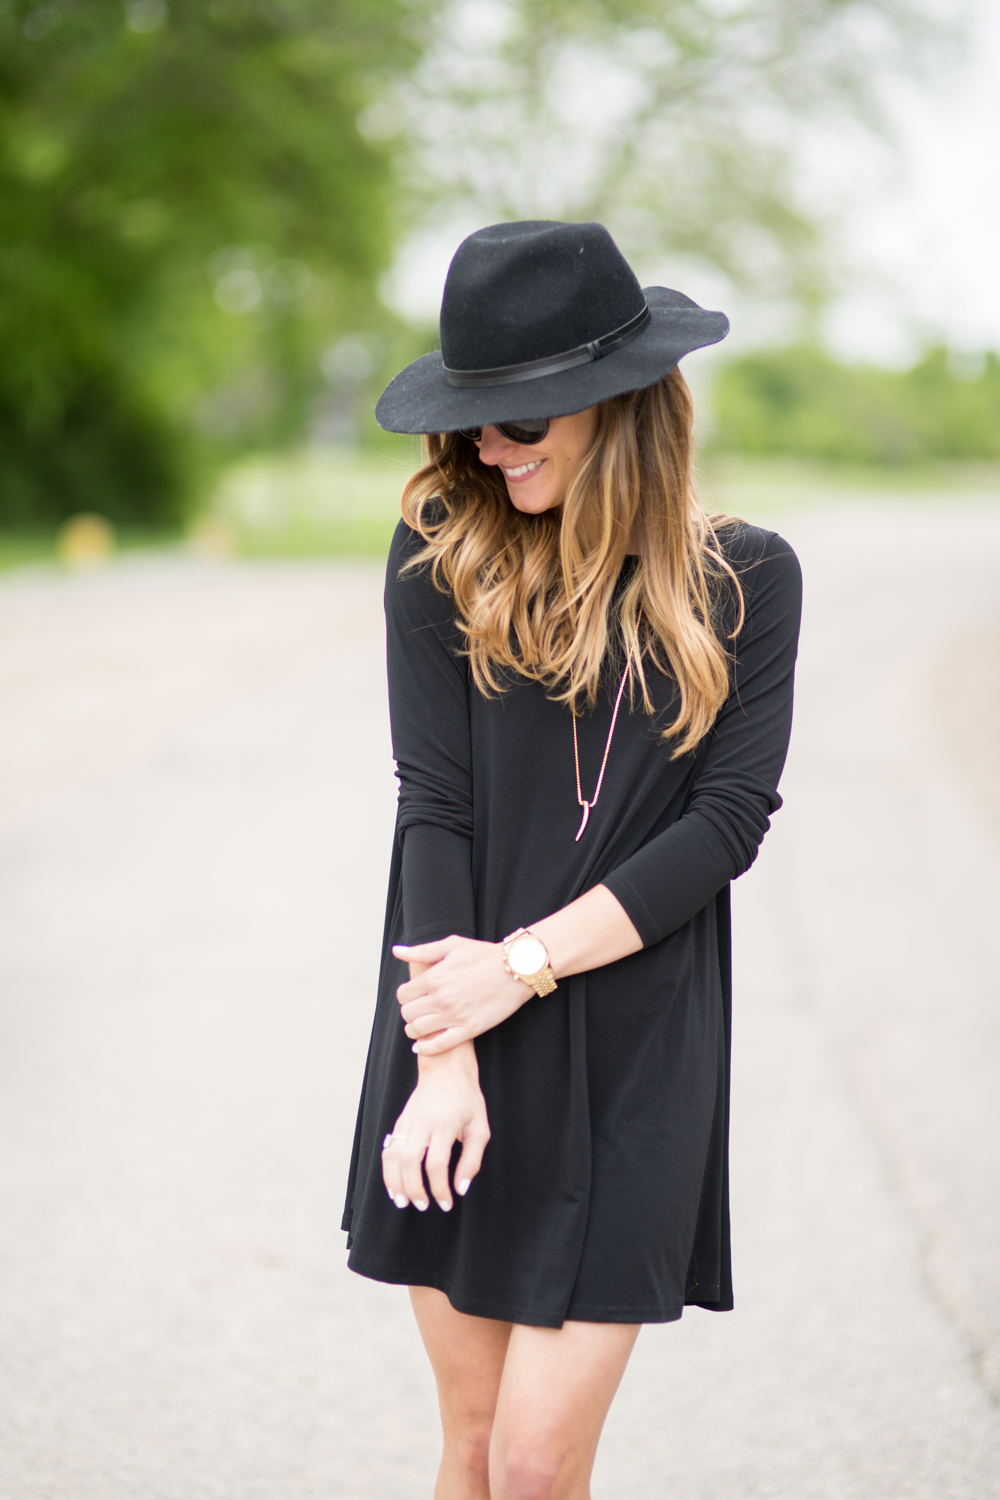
196, 802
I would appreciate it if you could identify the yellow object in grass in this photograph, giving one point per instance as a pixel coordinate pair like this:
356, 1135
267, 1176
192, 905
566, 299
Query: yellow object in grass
85, 540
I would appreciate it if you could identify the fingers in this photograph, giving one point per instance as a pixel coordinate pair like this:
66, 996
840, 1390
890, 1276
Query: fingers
436, 1164
403, 1162
411, 1167
424, 1010
474, 1143
442, 1041
416, 1009
407, 1156
426, 1025
411, 990
402, 1166
392, 1174
425, 953
416, 995
429, 1013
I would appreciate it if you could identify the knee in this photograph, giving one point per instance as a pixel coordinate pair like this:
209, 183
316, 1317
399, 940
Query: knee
523, 1470
471, 1453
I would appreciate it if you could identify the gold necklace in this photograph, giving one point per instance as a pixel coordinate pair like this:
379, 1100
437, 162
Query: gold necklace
607, 748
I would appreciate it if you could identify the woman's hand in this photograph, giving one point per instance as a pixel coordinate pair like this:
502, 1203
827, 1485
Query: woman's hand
446, 1106
459, 988
465, 990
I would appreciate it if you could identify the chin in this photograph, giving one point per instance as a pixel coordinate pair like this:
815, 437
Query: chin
532, 505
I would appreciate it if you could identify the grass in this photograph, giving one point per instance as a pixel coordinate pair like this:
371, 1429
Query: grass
755, 487
312, 503
21, 547
326, 502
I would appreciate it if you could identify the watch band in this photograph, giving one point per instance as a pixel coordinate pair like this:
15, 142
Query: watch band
543, 981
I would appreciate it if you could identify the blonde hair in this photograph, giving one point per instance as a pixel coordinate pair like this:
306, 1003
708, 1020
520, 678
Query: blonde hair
536, 595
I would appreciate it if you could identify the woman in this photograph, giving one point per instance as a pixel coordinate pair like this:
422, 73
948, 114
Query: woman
590, 688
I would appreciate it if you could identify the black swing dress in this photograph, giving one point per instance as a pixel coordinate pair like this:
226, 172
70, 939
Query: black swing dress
603, 1195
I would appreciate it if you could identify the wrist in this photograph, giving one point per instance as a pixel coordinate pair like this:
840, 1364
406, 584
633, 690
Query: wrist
460, 1059
526, 958
590, 932
548, 932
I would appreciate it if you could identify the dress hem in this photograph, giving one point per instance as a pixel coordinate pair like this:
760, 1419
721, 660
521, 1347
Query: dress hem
479, 1307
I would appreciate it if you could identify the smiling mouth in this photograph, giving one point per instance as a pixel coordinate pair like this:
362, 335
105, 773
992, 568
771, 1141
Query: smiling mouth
521, 471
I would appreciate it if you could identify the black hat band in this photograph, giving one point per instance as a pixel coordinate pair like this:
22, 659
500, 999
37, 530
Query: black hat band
550, 364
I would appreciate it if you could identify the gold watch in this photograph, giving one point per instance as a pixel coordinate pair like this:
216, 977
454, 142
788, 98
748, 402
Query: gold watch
526, 957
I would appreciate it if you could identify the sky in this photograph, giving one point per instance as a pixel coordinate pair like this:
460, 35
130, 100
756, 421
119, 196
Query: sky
918, 230
931, 232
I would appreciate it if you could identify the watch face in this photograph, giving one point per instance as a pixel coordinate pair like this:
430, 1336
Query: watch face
526, 955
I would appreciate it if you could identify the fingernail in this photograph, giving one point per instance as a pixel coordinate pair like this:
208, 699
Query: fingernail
464, 1186
443, 1206
421, 1204
416, 1048
400, 1201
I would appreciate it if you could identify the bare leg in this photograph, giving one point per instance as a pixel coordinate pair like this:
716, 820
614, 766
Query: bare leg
467, 1355
556, 1390
522, 1409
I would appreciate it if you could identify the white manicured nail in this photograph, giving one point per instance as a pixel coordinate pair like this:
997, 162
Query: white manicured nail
421, 1204
400, 1200
443, 1206
464, 1186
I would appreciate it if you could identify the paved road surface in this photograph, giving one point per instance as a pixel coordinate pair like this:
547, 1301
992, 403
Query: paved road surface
195, 809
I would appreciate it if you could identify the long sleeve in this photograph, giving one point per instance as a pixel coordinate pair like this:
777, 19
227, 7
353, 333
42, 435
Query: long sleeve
429, 716
728, 812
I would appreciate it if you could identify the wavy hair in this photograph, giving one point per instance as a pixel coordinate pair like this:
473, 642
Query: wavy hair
536, 595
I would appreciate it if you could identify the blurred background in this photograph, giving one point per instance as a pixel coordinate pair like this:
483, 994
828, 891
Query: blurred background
224, 225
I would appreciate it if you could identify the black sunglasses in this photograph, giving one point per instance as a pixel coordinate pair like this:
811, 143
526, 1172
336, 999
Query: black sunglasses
530, 431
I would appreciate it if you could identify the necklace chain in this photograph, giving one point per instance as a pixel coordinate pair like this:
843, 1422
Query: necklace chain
607, 750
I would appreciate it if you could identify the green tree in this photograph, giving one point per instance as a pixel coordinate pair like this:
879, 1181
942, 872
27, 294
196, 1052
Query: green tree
187, 211
676, 122
802, 403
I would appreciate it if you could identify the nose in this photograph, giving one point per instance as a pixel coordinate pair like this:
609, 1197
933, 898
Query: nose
494, 447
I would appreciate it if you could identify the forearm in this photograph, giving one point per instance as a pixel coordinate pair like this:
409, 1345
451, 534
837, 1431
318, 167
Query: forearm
459, 987
590, 932
436, 882
462, 1058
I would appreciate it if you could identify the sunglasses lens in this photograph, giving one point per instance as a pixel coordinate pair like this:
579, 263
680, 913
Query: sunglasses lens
530, 431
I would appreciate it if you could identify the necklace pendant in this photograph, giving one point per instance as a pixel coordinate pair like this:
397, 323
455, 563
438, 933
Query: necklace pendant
604, 763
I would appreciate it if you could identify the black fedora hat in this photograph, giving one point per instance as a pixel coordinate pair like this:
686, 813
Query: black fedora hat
540, 319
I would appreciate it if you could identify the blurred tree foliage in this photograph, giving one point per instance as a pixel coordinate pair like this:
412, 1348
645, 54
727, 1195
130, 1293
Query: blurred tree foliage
679, 123
801, 402
197, 197
187, 213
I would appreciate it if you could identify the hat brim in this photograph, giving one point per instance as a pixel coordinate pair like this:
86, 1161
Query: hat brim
421, 400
